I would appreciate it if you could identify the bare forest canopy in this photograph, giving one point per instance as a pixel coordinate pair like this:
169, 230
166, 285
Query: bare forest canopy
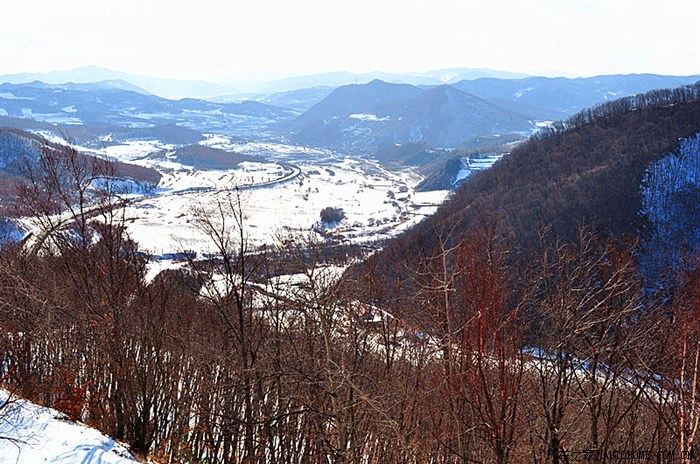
471, 338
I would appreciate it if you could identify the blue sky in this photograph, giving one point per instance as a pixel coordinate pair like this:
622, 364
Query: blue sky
212, 38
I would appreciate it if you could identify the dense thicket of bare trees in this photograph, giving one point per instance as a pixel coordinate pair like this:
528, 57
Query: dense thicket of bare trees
229, 361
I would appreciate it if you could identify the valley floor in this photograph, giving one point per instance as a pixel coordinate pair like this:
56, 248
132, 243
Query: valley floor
282, 194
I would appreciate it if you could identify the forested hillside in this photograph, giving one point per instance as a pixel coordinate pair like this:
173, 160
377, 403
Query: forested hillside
21, 153
587, 171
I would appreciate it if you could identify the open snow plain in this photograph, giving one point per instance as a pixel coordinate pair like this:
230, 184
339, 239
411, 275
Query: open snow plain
282, 193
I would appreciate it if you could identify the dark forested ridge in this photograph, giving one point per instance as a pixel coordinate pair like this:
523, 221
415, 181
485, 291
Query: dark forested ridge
204, 157
21, 151
18, 147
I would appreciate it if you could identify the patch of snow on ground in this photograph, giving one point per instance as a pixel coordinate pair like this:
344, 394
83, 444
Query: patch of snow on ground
157, 266
54, 118
464, 171
12, 96
50, 136
367, 117
472, 165
133, 150
44, 435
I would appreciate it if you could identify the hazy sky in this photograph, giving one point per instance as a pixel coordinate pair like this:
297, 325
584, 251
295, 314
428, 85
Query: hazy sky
200, 39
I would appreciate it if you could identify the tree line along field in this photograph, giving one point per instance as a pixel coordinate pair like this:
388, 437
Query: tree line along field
477, 355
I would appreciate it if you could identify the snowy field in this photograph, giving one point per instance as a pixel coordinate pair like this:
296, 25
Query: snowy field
284, 193
33, 434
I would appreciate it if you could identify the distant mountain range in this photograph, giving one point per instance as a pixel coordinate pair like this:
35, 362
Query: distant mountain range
244, 85
341, 78
167, 88
298, 100
538, 97
366, 118
114, 103
557, 98
363, 117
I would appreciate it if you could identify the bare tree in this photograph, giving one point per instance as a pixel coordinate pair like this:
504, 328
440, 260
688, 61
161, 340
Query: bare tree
227, 286
681, 388
491, 361
585, 300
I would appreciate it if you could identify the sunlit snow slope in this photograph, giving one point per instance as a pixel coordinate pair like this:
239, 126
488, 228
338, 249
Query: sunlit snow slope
31, 434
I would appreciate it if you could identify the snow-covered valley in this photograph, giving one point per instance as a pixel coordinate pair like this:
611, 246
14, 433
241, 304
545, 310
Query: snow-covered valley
282, 193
